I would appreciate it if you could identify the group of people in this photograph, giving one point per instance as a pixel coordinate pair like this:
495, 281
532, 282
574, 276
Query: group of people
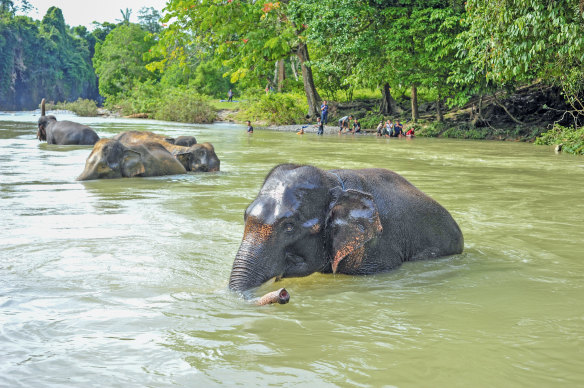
387, 129
345, 123
391, 129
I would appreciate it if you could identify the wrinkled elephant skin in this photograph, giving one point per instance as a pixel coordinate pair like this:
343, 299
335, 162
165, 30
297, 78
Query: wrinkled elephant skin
355, 222
112, 159
64, 132
197, 157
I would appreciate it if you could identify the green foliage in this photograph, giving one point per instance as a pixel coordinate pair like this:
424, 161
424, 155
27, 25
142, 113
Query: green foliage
275, 108
572, 140
185, 106
81, 107
182, 104
433, 129
371, 120
248, 37
208, 79
143, 98
118, 60
461, 131
511, 41
42, 59
149, 19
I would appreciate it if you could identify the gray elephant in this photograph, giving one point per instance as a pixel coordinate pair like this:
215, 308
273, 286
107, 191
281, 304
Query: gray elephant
356, 222
64, 132
197, 157
185, 141
112, 159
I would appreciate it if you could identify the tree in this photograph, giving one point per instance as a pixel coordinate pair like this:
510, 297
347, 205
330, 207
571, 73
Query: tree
8, 7
126, 14
42, 59
149, 19
118, 61
514, 41
248, 36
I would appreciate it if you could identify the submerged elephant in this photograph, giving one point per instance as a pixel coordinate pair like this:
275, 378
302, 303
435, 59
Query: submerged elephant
64, 132
356, 222
185, 141
112, 159
197, 157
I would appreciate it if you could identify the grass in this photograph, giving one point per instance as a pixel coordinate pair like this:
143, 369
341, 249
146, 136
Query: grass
218, 104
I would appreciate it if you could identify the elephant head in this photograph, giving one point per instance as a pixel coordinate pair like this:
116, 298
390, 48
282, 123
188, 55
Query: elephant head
111, 159
43, 122
303, 221
199, 157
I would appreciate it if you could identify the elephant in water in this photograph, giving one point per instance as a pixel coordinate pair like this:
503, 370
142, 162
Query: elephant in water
185, 141
64, 132
356, 222
112, 159
197, 157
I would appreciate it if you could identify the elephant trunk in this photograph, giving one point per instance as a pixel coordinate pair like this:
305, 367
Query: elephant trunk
43, 107
245, 273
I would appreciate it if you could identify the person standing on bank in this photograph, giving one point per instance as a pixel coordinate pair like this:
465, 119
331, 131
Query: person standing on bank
230, 96
324, 112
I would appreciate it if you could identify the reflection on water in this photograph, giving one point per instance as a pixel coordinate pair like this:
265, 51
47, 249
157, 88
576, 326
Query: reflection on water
123, 282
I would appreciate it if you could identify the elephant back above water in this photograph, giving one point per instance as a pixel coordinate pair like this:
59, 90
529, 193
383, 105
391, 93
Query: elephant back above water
64, 132
356, 222
112, 159
197, 157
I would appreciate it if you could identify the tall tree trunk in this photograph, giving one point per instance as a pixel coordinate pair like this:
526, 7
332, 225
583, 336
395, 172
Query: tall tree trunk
388, 105
281, 75
415, 115
385, 107
312, 97
477, 114
293, 67
439, 109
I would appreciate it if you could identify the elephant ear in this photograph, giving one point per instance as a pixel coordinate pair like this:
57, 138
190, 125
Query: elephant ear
185, 159
353, 219
132, 164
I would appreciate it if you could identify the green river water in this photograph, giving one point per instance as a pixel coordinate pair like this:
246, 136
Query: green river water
123, 283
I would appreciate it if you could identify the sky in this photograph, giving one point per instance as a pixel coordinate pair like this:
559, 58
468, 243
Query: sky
84, 12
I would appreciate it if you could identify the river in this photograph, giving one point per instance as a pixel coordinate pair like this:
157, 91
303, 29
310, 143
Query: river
123, 283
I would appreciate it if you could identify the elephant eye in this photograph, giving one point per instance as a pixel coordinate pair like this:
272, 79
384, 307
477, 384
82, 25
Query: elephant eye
289, 227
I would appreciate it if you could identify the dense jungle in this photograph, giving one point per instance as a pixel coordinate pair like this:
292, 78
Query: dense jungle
466, 69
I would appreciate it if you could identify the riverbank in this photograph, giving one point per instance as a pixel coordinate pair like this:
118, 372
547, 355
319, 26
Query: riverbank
522, 116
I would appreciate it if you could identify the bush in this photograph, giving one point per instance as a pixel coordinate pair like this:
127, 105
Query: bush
431, 130
170, 104
81, 107
274, 108
462, 131
144, 98
185, 106
572, 140
371, 120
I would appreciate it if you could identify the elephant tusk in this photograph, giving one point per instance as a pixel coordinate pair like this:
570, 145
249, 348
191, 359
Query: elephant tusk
280, 296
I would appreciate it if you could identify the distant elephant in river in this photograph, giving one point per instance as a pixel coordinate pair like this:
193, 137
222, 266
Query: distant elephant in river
64, 132
197, 157
112, 159
355, 222
185, 141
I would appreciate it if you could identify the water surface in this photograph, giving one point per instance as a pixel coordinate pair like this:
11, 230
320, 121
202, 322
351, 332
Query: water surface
123, 283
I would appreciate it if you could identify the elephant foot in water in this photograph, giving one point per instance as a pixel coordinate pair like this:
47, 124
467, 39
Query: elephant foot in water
280, 296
